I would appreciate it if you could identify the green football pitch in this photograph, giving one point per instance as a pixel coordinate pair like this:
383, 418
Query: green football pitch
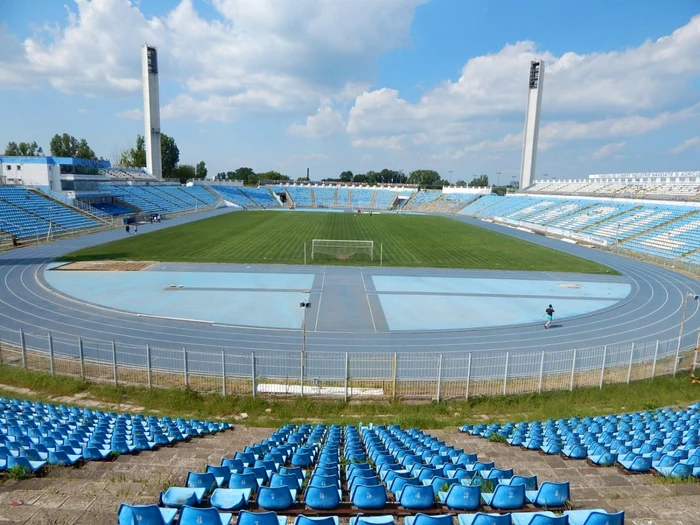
282, 237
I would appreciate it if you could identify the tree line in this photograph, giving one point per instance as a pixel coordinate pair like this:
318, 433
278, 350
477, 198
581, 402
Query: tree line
66, 145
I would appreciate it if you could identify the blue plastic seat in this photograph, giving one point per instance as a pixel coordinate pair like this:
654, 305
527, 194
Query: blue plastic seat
369, 497
530, 482
234, 465
285, 480
361, 519
322, 498
399, 483
595, 517
209, 516
461, 497
505, 497
176, 497
276, 498
243, 481
221, 474
417, 497
424, 519
319, 520
145, 515
549, 494
482, 518
538, 518
230, 499
206, 480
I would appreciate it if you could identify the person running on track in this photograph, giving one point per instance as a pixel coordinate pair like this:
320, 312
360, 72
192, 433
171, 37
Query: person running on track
548, 313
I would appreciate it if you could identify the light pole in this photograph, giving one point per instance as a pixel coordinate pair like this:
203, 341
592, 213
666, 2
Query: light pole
304, 305
688, 295
498, 178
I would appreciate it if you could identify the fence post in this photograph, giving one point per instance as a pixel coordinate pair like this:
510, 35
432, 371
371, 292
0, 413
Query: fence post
602, 368
185, 366
393, 377
148, 365
114, 362
469, 374
302, 373
24, 348
347, 363
573, 371
0, 348
539, 385
629, 368
505, 374
253, 373
51, 364
656, 355
678, 353
81, 354
223, 373
439, 377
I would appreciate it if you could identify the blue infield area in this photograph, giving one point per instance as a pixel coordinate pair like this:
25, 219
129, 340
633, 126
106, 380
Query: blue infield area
342, 299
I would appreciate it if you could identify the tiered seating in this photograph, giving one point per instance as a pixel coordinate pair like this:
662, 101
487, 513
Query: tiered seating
175, 194
324, 197
671, 241
421, 199
480, 206
373, 475
301, 195
593, 214
637, 221
201, 194
232, 194
261, 197
384, 199
143, 200
34, 434
112, 208
451, 202
665, 441
362, 197
30, 213
343, 197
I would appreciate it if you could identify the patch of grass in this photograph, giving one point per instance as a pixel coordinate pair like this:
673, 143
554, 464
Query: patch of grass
277, 237
668, 480
19, 472
661, 392
495, 437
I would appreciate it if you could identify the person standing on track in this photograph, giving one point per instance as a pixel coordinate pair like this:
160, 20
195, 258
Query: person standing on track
548, 313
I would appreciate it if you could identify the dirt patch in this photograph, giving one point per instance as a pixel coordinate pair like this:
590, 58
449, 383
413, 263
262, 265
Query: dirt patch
107, 266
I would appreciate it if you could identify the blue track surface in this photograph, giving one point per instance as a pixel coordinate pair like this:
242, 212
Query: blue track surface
652, 310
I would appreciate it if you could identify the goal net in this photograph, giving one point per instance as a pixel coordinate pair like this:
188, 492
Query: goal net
341, 249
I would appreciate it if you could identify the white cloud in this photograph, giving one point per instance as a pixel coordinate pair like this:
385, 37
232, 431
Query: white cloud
693, 142
608, 150
598, 95
324, 123
392, 143
131, 114
262, 55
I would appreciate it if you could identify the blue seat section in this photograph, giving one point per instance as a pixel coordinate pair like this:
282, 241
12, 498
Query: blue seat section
260, 196
421, 199
636, 221
26, 213
301, 196
671, 241
344, 198
363, 197
33, 434
201, 194
234, 195
113, 208
384, 199
324, 197
666, 441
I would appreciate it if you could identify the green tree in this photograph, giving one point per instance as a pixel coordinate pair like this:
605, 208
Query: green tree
482, 181
244, 174
201, 170
184, 172
271, 175
24, 149
169, 155
68, 146
426, 178
135, 157
346, 176
360, 177
460, 184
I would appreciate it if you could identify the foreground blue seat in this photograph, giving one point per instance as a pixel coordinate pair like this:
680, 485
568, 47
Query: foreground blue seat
417, 497
505, 497
260, 518
424, 519
178, 496
595, 517
230, 499
320, 520
538, 518
461, 497
322, 498
530, 482
482, 518
145, 515
369, 497
206, 480
549, 494
361, 519
210, 516
276, 498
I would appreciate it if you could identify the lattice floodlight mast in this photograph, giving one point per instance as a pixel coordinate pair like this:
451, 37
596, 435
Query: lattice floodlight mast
341, 249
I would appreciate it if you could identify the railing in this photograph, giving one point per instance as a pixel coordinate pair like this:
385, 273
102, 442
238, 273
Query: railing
107, 220
385, 375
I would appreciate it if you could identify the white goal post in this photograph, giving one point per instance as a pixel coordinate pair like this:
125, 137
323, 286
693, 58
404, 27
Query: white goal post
341, 249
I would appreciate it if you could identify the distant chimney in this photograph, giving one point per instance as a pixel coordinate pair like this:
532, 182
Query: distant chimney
307, 174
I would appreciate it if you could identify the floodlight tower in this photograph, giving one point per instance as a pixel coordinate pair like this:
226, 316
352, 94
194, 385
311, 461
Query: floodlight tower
532, 123
151, 110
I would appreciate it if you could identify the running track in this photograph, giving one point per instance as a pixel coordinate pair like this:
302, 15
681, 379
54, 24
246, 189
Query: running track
653, 311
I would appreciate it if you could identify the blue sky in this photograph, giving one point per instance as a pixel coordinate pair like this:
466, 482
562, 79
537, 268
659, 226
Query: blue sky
363, 84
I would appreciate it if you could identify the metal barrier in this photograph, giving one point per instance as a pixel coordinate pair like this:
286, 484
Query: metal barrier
386, 375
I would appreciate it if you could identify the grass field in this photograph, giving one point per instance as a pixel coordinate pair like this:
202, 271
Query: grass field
279, 237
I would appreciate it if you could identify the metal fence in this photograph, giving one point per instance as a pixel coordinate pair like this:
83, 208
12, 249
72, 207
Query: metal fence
385, 375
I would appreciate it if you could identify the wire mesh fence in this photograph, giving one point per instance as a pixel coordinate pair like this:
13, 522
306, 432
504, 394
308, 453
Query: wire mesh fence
385, 375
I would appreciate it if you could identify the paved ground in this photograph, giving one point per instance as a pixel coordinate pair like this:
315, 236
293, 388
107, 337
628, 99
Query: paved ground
91, 494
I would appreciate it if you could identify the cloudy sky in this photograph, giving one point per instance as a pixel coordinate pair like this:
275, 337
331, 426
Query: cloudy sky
363, 84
